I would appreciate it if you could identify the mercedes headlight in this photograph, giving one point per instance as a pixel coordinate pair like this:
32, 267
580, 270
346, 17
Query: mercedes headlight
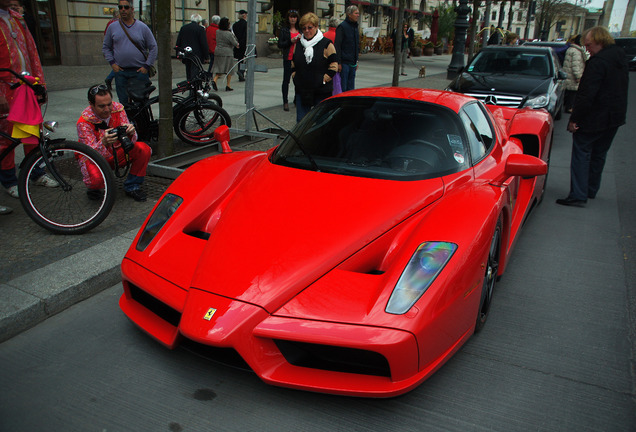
538, 102
424, 266
164, 211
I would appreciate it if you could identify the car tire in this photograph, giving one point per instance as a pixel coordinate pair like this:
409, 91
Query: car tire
490, 278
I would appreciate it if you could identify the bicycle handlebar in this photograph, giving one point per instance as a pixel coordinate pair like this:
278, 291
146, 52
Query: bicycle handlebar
39, 89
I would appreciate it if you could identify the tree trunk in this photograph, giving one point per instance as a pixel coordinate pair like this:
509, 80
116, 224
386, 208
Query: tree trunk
164, 66
473, 29
629, 16
486, 33
397, 48
512, 3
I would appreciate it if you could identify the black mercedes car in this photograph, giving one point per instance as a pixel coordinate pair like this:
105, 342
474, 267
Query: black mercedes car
514, 76
629, 46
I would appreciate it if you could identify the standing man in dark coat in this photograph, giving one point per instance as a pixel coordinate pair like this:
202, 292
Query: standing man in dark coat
193, 35
347, 48
240, 31
599, 109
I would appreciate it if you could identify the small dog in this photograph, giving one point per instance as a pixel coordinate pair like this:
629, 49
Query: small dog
422, 72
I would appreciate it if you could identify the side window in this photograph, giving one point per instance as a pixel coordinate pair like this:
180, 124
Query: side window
556, 64
480, 134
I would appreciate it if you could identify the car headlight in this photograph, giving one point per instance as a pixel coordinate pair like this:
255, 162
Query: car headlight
426, 263
538, 102
166, 208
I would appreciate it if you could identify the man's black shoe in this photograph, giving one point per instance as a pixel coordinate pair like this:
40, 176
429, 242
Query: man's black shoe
95, 194
241, 79
137, 195
571, 202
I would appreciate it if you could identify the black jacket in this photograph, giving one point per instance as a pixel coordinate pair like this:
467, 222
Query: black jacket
240, 31
347, 42
601, 100
193, 35
284, 41
309, 78
411, 38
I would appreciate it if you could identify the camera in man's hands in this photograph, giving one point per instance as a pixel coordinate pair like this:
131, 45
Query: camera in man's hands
122, 136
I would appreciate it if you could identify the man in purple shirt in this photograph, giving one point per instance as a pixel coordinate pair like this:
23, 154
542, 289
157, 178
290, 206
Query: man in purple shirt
130, 61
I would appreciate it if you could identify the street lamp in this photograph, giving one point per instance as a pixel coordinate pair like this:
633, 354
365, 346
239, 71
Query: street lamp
461, 25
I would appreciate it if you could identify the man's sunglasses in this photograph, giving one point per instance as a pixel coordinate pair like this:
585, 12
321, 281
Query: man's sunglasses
124, 7
97, 88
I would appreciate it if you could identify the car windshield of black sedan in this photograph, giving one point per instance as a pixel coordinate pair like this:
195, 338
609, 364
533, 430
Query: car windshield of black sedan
381, 138
511, 61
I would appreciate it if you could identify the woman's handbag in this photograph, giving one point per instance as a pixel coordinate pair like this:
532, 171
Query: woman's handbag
337, 84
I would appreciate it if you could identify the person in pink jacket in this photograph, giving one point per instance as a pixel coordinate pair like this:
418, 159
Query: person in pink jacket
97, 128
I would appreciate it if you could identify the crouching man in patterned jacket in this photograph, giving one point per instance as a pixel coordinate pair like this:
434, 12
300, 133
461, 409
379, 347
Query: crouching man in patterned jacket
97, 127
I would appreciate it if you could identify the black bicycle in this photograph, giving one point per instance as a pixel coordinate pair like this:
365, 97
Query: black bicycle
71, 207
196, 112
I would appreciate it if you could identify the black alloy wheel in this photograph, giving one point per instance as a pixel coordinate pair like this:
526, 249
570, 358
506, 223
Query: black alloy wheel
490, 278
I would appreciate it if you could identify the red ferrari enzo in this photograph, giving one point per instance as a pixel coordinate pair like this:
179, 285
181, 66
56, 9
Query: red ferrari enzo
356, 257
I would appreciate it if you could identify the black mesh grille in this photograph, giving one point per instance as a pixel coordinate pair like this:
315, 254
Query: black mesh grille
333, 358
157, 307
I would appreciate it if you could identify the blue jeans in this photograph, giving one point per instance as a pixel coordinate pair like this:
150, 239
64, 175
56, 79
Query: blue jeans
302, 110
121, 81
348, 77
133, 182
8, 177
589, 151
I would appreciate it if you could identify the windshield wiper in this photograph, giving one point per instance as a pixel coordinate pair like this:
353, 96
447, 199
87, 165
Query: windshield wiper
302, 148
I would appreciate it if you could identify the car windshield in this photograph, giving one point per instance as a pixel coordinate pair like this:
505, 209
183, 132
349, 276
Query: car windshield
377, 138
511, 62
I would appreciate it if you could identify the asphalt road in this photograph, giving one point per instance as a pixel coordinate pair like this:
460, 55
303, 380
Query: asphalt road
556, 354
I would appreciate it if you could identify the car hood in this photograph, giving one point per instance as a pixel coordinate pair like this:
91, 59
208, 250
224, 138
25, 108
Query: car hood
513, 84
283, 228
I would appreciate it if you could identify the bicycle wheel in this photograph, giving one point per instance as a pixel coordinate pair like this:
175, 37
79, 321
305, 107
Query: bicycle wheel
68, 208
196, 124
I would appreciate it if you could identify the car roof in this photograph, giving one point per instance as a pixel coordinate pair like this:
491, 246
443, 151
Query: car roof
523, 47
627, 43
546, 43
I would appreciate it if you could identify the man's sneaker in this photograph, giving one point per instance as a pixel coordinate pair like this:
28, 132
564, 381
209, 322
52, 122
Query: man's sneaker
95, 194
13, 191
137, 194
47, 181
5, 210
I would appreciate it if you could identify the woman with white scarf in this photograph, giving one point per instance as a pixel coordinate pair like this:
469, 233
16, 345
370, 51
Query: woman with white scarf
314, 66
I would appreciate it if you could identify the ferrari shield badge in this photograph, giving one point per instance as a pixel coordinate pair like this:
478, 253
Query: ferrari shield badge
209, 314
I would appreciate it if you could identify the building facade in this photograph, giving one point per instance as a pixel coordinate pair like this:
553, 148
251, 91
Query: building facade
70, 32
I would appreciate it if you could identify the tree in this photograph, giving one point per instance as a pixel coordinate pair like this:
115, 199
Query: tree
548, 13
472, 31
447, 17
164, 63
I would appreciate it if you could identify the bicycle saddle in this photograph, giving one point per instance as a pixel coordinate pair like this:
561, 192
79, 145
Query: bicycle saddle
140, 92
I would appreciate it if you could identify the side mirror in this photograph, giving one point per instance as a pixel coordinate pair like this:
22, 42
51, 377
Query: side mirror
524, 165
222, 135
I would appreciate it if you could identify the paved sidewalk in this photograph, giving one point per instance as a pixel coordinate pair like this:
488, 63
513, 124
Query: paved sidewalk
42, 274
